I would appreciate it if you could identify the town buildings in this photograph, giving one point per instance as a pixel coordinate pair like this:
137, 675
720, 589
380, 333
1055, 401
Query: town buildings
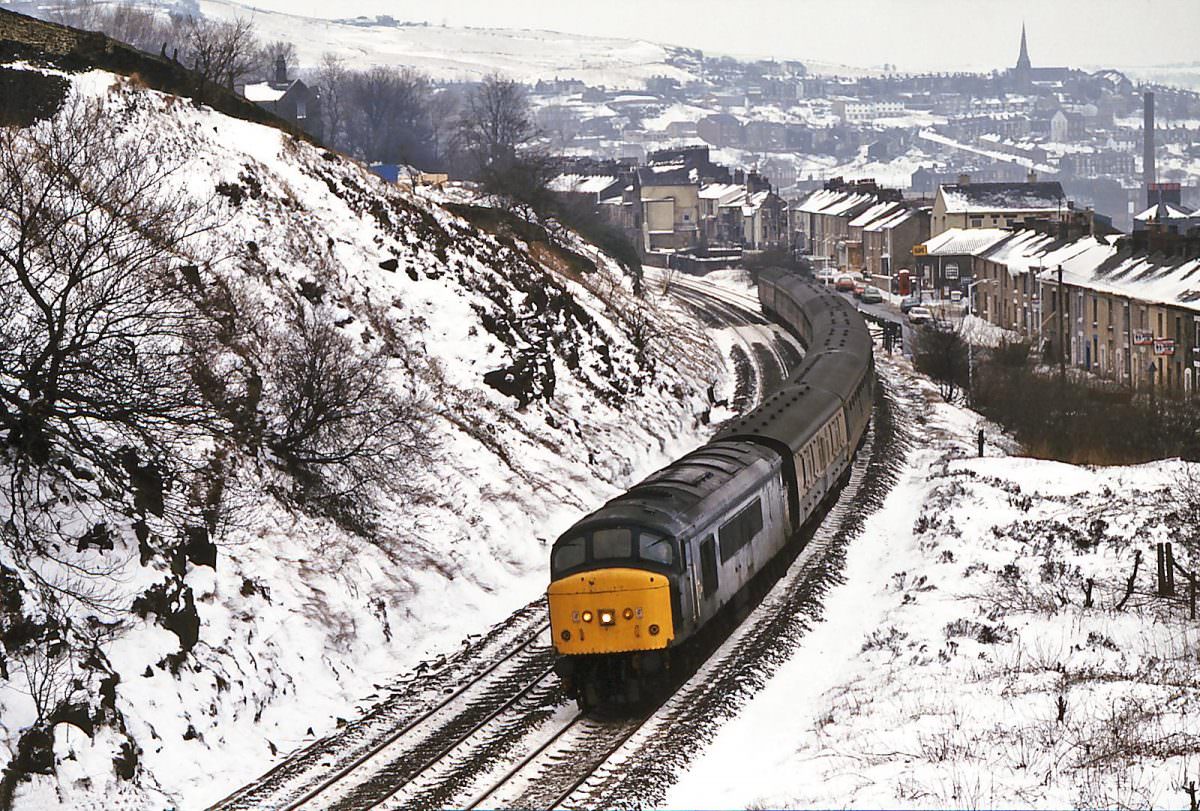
1121, 307
995, 205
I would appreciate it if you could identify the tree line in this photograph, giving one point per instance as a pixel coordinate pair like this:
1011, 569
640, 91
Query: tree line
377, 114
480, 131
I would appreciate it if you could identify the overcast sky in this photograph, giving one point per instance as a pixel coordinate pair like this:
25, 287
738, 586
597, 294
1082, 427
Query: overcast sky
913, 34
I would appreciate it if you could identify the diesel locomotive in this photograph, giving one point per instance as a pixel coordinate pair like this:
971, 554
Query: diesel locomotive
638, 582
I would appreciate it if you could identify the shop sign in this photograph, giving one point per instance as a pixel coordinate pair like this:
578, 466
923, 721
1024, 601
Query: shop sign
1142, 337
920, 250
1164, 346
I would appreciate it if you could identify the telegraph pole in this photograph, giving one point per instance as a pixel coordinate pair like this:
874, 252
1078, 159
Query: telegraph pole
1062, 315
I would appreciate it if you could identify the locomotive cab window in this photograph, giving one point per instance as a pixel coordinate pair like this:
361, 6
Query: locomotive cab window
608, 544
656, 549
567, 555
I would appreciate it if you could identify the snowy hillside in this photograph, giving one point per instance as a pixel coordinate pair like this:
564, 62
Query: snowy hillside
463, 54
301, 615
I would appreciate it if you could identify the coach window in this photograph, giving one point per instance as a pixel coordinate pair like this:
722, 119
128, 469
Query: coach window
656, 549
567, 554
612, 543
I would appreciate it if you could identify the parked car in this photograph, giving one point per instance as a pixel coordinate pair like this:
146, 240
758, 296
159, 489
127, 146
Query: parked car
859, 287
908, 302
826, 276
845, 284
919, 315
872, 295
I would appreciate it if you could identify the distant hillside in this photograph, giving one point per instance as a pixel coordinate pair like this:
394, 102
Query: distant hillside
468, 53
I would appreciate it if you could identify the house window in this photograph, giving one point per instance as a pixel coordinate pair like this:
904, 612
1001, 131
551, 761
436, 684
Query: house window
301, 108
977, 222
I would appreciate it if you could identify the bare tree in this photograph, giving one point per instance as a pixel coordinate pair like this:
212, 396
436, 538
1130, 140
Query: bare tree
333, 78
389, 115
941, 352
220, 53
497, 136
496, 122
95, 332
269, 56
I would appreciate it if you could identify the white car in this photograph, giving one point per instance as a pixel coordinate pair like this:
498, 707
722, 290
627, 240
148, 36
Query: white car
919, 315
827, 275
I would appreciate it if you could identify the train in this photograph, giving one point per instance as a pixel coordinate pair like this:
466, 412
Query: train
637, 585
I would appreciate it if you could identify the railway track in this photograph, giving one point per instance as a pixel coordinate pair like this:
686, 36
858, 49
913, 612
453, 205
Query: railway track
762, 355
490, 727
479, 674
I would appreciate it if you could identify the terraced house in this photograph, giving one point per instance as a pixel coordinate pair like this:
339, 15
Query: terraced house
996, 205
1125, 308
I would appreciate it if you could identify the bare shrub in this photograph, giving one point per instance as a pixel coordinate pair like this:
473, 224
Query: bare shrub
340, 423
941, 352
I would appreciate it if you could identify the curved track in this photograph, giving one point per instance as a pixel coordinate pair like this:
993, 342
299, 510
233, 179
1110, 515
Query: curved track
490, 727
762, 353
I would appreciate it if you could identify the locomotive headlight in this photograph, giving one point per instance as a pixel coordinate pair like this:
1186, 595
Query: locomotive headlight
653, 630
627, 613
587, 616
574, 616
608, 616
566, 635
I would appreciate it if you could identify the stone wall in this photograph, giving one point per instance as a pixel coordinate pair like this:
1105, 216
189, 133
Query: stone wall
23, 37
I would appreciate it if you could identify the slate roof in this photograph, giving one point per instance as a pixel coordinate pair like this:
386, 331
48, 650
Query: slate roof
964, 241
983, 197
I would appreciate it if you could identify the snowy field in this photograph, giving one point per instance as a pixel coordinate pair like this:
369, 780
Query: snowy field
460, 54
962, 664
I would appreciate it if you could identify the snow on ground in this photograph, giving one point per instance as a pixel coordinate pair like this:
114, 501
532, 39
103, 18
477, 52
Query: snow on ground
462, 54
301, 619
961, 663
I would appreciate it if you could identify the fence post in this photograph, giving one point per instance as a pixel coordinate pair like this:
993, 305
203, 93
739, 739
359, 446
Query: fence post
1161, 559
1170, 571
1192, 595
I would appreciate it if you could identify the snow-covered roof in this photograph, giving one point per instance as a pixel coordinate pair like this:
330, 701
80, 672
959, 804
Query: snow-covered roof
827, 201
1160, 212
734, 200
961, 241
263, 91
984, 197
582, 184
892, 220
718, 191
754, 202
875, 212
1152, 279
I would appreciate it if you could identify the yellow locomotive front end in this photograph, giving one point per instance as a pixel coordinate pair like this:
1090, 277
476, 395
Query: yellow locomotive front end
616, 610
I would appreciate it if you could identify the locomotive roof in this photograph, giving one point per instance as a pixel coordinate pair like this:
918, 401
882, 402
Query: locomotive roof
673, 498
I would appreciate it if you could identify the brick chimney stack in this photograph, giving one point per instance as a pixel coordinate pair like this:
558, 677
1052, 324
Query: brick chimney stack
1148, 174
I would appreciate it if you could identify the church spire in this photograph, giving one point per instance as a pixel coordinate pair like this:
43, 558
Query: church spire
1023, 59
